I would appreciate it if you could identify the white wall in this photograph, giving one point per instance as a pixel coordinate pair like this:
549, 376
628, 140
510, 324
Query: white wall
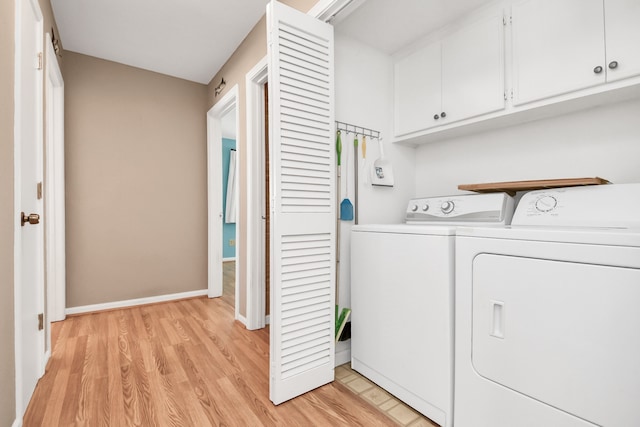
364, 85
603, 141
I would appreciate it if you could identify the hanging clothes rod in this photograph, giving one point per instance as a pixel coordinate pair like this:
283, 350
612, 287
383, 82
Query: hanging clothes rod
358, 130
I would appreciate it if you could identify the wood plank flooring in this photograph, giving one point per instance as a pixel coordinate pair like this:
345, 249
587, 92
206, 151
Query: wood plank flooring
184, 363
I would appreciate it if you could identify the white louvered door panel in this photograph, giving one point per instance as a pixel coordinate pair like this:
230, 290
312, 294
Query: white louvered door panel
302, 158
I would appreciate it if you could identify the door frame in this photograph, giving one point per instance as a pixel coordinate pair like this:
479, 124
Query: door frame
256, 288
214, 194
17, 242
54, 191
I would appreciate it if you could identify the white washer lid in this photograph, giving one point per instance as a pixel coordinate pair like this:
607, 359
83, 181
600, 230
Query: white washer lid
434, 230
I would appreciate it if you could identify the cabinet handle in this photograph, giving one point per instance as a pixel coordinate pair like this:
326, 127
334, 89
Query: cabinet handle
613, 64
436, 117
443, 115
597, 70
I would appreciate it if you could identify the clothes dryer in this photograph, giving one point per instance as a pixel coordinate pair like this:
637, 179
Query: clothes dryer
547, 325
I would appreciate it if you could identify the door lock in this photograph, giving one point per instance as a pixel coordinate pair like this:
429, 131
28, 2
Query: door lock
31, 219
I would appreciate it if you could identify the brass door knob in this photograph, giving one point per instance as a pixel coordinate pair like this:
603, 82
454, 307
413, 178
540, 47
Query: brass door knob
31, 219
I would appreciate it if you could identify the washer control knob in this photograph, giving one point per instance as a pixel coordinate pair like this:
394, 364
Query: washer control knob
447, 207
546, 203
414, 208
425, 207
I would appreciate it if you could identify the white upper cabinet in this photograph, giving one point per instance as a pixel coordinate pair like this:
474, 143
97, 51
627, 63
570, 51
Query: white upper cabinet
553, 51
473, 70
558, 47
418, 92
455, 77
622, 25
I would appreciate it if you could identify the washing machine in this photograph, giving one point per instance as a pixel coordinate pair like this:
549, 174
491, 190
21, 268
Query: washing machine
547, 313
402, 279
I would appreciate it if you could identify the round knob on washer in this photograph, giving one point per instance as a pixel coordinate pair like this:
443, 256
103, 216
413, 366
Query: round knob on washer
414, 208
447, 207
546, 203
425, 208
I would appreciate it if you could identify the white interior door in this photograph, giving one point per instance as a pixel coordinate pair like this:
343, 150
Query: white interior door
302, 158
29, 248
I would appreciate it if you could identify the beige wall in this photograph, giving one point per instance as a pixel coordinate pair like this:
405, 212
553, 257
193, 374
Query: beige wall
234, 71
7, 371
135, 181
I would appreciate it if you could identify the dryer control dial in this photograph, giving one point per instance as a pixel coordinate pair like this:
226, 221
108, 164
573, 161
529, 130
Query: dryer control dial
414, 208
546, 203
447, 207
425, 207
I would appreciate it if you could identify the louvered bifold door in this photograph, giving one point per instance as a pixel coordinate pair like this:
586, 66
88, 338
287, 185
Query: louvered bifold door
302, 170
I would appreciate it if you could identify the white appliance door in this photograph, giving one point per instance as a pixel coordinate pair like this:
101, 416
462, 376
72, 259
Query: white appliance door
301, 125
563, 333
402, 317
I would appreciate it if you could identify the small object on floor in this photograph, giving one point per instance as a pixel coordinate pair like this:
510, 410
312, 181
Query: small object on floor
341, 321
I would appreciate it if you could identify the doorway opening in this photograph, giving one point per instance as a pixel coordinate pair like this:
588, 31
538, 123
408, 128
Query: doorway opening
223, 115
228, 192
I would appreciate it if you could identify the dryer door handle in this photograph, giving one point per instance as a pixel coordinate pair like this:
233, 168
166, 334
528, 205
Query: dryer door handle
497, 324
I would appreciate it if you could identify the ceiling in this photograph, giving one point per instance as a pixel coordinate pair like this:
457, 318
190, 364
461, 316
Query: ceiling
391, 25
192, 39
188, 39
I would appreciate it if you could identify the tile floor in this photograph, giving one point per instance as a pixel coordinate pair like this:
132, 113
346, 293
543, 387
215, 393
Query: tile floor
389, 405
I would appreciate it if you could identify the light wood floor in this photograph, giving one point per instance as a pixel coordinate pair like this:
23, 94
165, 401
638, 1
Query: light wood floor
184, 363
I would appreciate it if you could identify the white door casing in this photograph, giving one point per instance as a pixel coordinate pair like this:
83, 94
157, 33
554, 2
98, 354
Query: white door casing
214, 191
54, 191
256, 289
302, 171
28, 240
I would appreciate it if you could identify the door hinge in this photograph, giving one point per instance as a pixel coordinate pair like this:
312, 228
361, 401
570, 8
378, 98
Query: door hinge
40, 321
40, 65
39, 190
505, 95
504, 20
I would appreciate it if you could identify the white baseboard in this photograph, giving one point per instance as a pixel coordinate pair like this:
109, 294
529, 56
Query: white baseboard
267, 319
240, 318
17, 423
134, 302
47, 356
228, 259
342, 357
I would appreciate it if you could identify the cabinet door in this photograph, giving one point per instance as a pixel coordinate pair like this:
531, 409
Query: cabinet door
473, 70
557, 45
417, 90
622, 24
